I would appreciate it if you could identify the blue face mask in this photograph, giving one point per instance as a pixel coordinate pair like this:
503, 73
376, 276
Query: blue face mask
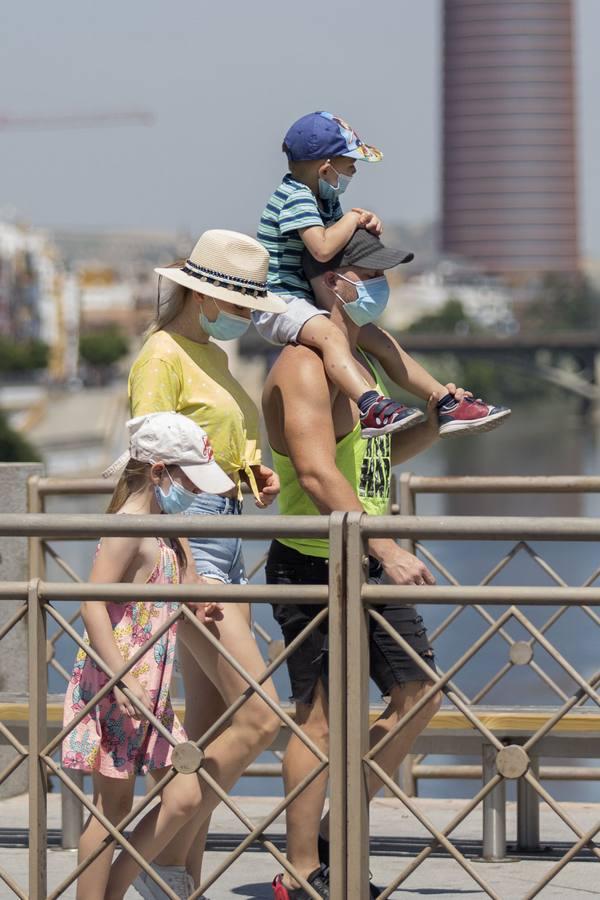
328, 191
177, 500
226, 327
372, 299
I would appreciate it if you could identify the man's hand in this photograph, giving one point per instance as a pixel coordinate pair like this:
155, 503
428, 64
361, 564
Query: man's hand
267, 482
402, 567
457, 392
369, 221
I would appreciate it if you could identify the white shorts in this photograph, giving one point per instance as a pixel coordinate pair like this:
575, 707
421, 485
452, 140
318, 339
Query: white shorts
283, 328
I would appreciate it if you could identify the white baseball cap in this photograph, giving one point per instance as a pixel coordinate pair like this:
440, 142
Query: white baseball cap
173, 439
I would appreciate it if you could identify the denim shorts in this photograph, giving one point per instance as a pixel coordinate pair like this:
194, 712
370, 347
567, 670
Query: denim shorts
219, 558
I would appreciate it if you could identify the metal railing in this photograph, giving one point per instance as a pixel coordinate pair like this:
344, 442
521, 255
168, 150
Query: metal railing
350, 604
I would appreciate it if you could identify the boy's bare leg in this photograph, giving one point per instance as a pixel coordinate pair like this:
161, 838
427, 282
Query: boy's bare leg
404, 371
304, 814
342, 369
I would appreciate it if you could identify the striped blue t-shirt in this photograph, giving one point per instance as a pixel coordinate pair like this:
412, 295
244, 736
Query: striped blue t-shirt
291, 207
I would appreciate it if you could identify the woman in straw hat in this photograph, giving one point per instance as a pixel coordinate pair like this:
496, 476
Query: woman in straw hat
210, 295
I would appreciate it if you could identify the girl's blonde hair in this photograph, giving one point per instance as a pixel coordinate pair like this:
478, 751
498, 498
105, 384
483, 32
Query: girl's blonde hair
133, 479
170, 300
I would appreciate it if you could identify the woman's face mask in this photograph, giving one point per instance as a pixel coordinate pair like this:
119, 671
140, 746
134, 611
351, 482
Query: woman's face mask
372, 299
226, 327
176, 500
328, 191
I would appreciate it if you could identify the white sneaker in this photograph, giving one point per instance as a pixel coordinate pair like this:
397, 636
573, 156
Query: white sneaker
192, 888
175, 876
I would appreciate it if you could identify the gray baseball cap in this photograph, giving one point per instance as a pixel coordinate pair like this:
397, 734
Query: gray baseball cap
363, 249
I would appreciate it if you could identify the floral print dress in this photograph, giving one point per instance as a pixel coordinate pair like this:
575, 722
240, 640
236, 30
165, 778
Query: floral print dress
106, 740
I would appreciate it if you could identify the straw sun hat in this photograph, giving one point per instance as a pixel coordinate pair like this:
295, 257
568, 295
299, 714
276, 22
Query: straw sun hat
229, 266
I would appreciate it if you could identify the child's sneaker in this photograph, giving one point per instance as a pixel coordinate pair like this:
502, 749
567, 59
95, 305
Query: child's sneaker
175, 876
468, 416
383, 416
319, 880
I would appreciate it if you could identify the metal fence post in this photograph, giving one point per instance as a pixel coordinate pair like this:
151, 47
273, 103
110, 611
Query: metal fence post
38, 782
358, 710
494, 809
528, 811
337, 707
407, 506
71, 813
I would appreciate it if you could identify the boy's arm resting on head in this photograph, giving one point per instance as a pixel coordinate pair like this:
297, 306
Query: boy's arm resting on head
369, 220
311, 446
398, 364
323, 243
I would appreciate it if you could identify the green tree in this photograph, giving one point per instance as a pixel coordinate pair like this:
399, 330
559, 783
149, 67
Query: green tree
22, 356
563, 303
13, 447
103, 347
450, 319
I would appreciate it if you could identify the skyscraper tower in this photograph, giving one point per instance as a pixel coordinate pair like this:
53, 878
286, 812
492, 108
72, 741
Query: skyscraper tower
509, 149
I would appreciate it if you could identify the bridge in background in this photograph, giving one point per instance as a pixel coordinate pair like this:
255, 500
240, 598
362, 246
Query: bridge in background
537, 354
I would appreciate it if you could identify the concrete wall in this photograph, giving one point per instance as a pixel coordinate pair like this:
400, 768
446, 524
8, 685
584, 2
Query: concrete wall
13, 647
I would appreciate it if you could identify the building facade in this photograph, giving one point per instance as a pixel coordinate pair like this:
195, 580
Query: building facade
509, 138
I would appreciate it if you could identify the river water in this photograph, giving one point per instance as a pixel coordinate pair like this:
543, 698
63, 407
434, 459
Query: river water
550, 441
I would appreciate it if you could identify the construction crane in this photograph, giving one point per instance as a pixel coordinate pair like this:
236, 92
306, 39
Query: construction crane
76, 120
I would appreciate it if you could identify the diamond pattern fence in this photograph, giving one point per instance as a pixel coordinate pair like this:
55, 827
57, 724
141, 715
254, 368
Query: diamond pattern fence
351, 603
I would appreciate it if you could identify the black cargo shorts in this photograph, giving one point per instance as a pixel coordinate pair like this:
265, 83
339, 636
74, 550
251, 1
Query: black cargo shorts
389, 664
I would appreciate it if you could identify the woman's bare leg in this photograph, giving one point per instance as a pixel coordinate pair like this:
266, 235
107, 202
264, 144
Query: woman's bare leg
113, 798
204, 704
252, 729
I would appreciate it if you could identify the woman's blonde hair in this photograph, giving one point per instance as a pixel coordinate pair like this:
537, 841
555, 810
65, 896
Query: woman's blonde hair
170, 300
133, 479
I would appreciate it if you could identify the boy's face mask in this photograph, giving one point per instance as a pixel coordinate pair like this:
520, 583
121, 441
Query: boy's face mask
328, 191
372, 299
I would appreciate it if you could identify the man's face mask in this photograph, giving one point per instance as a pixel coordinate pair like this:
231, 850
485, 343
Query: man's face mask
372, 299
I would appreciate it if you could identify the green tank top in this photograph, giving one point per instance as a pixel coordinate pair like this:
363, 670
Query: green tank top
366, 464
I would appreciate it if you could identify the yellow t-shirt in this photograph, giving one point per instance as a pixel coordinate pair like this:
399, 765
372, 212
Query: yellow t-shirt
173, 373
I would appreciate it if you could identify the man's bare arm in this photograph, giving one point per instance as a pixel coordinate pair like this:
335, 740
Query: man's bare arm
310, 441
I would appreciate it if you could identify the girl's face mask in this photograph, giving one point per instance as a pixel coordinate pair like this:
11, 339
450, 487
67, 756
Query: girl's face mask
176, 500
372, 299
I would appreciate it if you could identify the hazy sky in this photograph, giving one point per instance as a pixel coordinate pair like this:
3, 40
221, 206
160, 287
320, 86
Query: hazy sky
224, 80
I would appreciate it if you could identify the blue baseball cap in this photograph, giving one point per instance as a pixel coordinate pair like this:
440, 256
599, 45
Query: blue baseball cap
321, 135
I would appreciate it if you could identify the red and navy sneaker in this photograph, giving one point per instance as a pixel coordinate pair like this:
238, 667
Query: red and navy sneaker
383, 416
469, 416
374, 891
319, 880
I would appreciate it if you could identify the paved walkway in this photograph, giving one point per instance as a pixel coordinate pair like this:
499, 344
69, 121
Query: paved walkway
397, 838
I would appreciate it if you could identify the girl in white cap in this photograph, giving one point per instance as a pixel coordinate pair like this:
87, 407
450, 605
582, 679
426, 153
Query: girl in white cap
209, 297
168, 464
